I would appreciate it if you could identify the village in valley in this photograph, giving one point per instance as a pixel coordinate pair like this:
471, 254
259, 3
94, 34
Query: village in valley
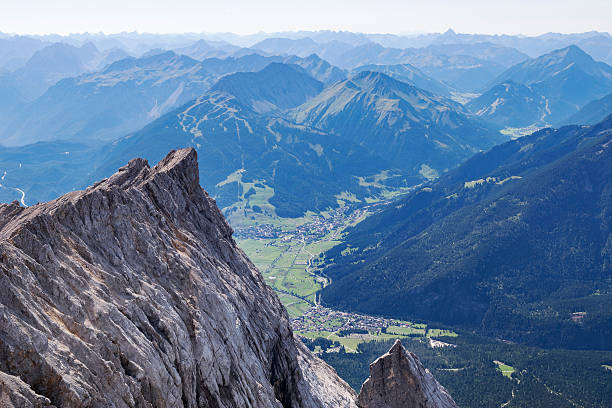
285, 257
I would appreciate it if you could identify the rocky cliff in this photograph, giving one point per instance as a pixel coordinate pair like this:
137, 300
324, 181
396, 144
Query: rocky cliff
399, 380
133, 293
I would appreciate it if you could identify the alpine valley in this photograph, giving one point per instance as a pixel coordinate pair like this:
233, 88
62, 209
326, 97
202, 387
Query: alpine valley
306, 219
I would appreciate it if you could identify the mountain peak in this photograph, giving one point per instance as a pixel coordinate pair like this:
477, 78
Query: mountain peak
276, 87
180, 166
398, 379
573, 52
376, 79
138, 286
382, 84
279, 67
397, 347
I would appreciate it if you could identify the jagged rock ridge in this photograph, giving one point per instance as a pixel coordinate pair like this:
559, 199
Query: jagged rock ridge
133, 293
398, 379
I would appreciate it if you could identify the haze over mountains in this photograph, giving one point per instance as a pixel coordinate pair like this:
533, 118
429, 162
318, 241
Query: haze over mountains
54, 62
422, 184
247, 129
126, 95
302, 167
413, 129
409, 99
544, 90
593, 112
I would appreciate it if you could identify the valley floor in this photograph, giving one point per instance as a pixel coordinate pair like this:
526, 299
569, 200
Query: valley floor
478, 372
288, 256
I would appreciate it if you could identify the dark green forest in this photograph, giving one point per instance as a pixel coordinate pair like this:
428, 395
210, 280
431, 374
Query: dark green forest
542, 378
516, 244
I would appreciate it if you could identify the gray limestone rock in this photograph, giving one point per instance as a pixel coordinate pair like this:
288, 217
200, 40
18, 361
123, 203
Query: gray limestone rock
133, 293
399, 380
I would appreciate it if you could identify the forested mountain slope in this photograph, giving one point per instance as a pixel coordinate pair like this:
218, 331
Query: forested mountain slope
515, 243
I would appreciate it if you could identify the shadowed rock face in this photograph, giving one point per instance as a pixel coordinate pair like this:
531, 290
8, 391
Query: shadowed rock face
398, 379
133, 293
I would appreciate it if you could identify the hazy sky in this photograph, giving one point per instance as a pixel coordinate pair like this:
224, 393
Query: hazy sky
244, 17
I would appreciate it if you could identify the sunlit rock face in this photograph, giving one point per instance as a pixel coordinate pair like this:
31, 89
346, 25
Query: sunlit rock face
132, 293
399, 380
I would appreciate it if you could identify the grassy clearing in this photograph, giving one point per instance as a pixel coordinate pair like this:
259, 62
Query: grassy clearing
405, 331
350, 344
315, 334
441, 333
242, 213
321, 246
295, 306
515, 133
505, 369
299, 282
262, 252
232, 178
286, 260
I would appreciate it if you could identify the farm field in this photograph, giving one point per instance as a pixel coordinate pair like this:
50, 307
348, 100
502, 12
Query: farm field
285, 253
287, 256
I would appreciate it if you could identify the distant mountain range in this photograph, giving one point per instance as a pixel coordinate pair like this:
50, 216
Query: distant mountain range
107, 104
16, 50
514, 243
128, 94
277, 131
414, 129
467, 71
597, 44
544, 90
296, 167
487, 51
510, 104
466, 63
593, 112
202, 49
56, 61
243, 136
411, 75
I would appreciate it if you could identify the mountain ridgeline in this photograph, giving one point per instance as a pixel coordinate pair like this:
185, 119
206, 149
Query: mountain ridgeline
308, 158
277, 87
544, 90
412, 128
301, 143
593, 112
128, 94
303, 167
133, 293
514, 243
126, 288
